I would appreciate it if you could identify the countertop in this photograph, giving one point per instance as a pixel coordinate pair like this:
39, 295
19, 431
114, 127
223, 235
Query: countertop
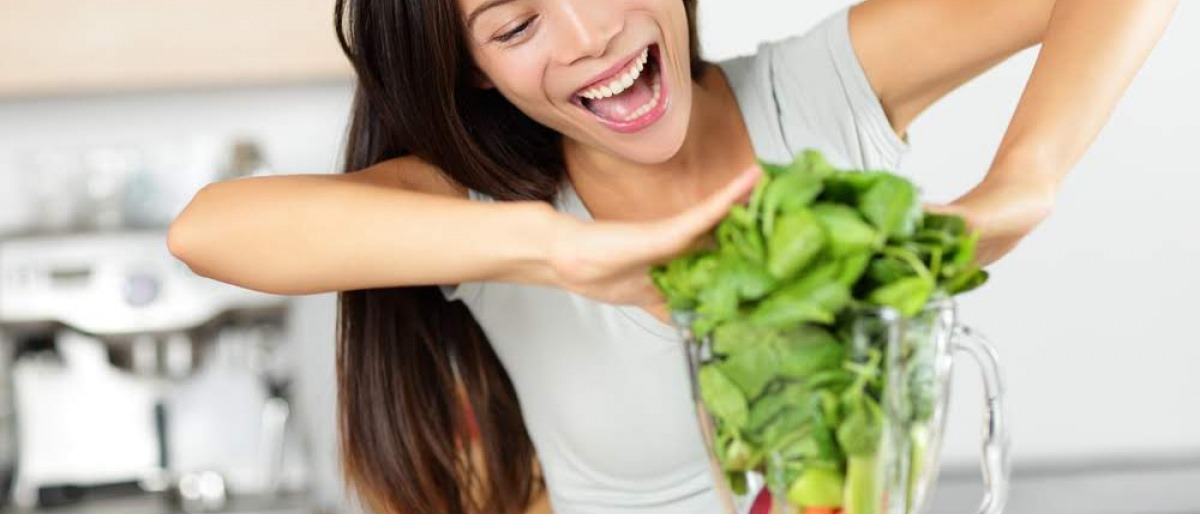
1110, 488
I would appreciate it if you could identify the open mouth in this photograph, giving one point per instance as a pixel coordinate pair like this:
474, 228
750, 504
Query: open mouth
630, 100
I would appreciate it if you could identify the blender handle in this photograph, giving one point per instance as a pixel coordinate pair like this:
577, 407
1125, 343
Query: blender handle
994, 464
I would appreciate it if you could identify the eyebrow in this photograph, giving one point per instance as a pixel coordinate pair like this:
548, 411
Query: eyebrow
479, 10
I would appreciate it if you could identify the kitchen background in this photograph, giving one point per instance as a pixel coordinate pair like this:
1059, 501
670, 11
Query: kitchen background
1092, 314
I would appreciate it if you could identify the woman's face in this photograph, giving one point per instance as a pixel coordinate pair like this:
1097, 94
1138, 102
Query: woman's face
611, 74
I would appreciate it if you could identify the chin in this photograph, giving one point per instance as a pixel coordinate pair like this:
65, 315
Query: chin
657, 149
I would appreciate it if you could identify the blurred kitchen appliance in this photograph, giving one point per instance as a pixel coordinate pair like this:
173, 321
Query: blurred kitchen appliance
119, 186
126, 373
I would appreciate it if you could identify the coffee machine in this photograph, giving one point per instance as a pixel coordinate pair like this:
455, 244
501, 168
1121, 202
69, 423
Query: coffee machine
123, 373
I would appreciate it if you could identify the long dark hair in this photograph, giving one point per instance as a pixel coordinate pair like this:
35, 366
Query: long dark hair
419, 387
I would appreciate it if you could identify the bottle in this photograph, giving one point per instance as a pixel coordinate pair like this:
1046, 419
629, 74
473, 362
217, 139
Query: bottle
246, 160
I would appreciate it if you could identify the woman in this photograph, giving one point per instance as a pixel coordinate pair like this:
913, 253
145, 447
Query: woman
514, 167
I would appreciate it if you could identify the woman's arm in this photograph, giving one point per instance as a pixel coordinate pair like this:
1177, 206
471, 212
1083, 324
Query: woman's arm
1090, 53
390, 225
1091, 50
914, 52
401, 223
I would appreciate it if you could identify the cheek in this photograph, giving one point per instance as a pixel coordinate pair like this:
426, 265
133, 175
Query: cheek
519, 77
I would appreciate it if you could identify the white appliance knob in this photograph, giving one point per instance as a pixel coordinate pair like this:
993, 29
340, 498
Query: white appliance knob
141, 289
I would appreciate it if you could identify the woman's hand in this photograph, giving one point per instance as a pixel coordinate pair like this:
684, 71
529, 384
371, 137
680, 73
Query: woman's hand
610, 261
1003, 209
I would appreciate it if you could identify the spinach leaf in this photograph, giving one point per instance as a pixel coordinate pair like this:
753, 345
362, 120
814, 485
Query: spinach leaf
739, 232
795, 241
791, 398
854, 265
815, 298
846, 229
749, 278
787, 194
889, 268
739, 335
861, 433
907, 295
752, 368
723, 397
808, 350
953, 225
966, 281
891, 205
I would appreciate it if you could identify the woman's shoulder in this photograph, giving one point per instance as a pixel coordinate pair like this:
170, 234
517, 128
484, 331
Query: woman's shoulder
411, 173
809, 90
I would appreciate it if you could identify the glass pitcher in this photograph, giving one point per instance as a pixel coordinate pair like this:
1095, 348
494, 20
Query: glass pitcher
845, 419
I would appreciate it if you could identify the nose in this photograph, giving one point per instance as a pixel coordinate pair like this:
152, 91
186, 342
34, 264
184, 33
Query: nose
587, 28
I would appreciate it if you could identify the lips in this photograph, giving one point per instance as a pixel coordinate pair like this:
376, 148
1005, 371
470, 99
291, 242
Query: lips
620, 82
630, 98
613, 71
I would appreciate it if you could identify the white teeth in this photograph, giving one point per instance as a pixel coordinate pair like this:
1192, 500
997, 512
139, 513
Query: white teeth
641, 111
622, 81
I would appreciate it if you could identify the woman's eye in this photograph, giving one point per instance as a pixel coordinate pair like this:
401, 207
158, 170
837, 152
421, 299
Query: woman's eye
508, 36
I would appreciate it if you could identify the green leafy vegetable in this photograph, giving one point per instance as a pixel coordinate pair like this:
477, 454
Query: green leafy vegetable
722, 397
891, 205
795, 240
795, 383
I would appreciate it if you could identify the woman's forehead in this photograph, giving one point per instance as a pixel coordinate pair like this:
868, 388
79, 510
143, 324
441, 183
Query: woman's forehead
472, 9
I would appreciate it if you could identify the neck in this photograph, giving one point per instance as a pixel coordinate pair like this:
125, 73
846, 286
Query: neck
715, 148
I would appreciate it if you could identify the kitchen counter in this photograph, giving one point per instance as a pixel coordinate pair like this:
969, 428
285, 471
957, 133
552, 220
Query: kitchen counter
1109, 488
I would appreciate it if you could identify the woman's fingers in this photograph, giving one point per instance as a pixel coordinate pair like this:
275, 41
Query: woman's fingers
610, 260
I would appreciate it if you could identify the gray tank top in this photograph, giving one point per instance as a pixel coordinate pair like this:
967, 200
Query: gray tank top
604, 388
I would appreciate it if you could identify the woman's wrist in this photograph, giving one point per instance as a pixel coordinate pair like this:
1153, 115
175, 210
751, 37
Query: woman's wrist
537, 235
